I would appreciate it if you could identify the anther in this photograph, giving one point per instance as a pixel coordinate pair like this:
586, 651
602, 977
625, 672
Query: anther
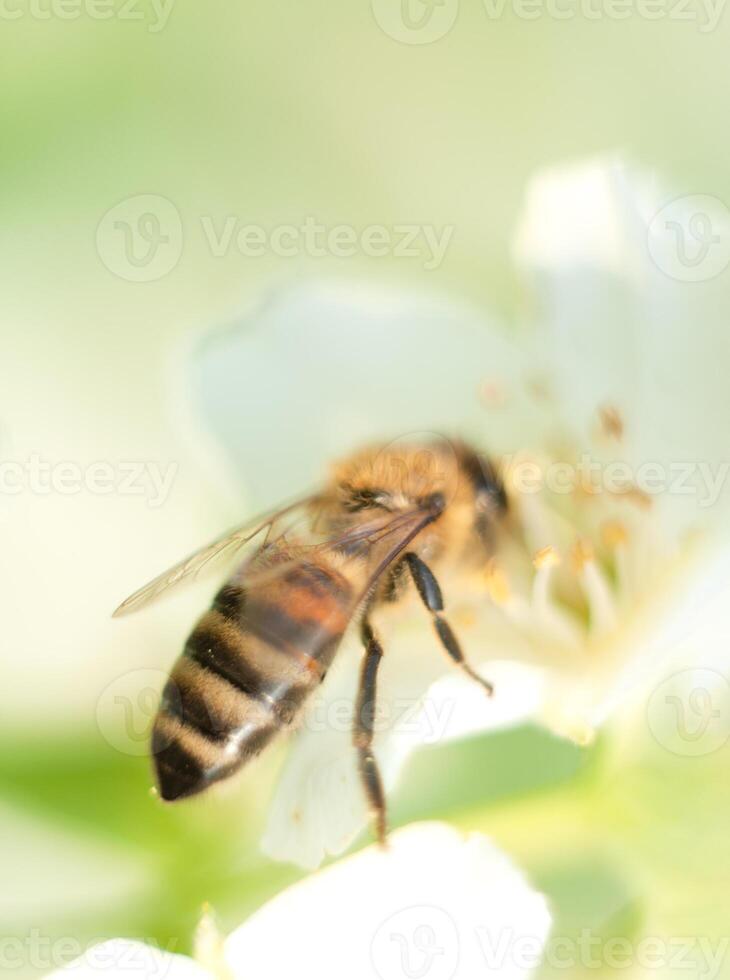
497, 584
546, 558
581, 554
614, 534
612, 424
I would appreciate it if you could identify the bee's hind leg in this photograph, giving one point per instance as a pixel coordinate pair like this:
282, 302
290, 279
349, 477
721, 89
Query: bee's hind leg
362, 735
430, 592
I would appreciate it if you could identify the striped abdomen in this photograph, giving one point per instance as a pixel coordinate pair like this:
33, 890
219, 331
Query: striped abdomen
246, 669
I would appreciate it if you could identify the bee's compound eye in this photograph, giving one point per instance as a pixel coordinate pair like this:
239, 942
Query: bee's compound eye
435, 502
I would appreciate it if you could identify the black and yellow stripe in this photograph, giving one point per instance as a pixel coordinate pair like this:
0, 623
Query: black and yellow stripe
246, 670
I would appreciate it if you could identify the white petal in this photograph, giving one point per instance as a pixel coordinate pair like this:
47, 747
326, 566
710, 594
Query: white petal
518, 694
323, 368
574, 216
696, 617
619, 326
117, 959
318, 805
432, 905
684, 622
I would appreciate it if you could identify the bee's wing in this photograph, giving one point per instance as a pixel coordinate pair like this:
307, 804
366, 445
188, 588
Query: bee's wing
224, 547
379, 542
391, 541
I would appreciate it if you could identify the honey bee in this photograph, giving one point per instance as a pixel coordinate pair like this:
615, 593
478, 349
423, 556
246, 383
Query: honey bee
385, 518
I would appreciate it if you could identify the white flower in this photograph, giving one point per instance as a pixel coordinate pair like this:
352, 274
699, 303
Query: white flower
626, 366
433, 905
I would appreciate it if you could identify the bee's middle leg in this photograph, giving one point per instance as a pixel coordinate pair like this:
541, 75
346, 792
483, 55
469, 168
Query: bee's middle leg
430, 592
362, 735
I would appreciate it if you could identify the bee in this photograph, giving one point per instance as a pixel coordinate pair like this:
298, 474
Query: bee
383, 521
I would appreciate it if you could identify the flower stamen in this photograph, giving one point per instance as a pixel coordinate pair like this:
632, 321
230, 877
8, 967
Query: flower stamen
544, 561
601, 604
497, 584
615, 538
612, 423
547, 615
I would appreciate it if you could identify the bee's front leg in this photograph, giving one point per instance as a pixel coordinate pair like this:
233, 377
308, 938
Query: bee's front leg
430, 592
362, 735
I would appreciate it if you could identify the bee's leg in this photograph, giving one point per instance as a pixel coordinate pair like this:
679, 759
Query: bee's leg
430, 592
362, 735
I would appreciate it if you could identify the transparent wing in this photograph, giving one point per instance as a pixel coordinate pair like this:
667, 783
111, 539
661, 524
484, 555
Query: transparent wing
377, 542
276, 524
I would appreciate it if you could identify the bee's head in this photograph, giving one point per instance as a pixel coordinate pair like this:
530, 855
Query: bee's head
399, 478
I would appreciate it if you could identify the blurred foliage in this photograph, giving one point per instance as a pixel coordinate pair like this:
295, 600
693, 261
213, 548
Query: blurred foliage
208, 853
620, 845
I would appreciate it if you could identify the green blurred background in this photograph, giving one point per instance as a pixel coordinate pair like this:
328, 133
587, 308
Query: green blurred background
272, 112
